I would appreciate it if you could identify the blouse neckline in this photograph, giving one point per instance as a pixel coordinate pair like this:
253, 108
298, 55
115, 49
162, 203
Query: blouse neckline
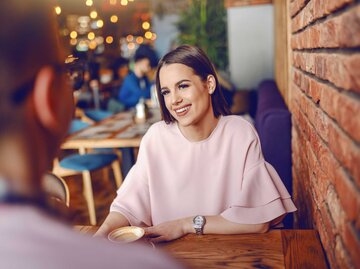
200, 141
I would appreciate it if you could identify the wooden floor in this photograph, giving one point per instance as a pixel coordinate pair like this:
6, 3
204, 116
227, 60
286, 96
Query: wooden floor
104, 193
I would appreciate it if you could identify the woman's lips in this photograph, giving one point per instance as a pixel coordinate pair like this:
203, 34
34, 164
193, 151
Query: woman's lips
182, 111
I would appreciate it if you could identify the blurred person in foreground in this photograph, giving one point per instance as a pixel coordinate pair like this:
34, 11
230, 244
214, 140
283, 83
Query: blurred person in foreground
35, 111
200, 170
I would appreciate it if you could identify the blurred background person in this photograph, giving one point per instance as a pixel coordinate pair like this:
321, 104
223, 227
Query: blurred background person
137, 84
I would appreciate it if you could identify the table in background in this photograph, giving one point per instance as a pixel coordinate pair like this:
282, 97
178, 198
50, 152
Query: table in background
117, 131
275, 249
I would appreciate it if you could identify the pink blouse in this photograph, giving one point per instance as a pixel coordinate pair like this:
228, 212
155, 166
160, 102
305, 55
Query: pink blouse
224, 174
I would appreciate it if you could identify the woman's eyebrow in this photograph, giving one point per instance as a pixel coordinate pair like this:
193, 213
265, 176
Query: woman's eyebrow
181, 81
176, 84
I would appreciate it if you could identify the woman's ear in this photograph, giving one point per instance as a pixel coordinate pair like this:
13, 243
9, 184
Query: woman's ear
42, 99
211, 84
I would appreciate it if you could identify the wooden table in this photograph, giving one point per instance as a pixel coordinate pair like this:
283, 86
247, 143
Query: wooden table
118, 131
275, 249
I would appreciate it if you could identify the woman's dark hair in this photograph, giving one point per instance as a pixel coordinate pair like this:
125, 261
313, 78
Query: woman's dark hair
197, 60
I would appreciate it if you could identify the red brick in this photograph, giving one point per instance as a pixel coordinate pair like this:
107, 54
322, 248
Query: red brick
349, 195
345, 150
328, 162
339, 106
341, 255
335, 209
339, 144
341, 70
352, 243
319, 120
316, 187
333, 33
296, 5
307, 85
328, 226
327, 243
314, 10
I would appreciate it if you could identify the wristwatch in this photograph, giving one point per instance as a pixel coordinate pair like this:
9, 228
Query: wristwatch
199, 223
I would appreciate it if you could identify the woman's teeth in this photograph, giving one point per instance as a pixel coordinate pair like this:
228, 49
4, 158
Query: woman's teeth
180, 110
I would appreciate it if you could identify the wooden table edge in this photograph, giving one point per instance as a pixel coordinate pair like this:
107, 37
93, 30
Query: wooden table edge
304, 247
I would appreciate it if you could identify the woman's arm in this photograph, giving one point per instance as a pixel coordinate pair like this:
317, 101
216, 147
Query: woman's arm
113, 220
214, 225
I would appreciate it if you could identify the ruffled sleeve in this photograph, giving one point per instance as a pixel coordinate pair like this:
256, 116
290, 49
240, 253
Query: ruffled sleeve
262, 196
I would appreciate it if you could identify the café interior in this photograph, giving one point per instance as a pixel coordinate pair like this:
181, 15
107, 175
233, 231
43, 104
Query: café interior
289, 67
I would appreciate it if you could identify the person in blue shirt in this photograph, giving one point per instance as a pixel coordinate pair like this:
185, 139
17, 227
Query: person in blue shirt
136, 85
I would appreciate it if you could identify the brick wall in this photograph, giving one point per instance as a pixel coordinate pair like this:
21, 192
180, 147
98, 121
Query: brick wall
325, 105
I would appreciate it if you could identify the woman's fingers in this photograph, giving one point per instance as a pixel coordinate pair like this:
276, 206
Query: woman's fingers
158, 239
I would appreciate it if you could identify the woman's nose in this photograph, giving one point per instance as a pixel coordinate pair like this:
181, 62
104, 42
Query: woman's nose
175, 98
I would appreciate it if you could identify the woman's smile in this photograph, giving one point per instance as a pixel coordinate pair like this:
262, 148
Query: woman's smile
182, 111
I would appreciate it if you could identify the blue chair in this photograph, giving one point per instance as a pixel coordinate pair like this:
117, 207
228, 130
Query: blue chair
77, 125
127, 154
84, 163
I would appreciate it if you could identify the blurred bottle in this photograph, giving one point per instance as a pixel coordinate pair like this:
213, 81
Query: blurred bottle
95, 87
154, 97
141, 111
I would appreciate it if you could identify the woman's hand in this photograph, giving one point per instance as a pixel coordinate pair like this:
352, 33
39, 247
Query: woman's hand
113, 220
168, 231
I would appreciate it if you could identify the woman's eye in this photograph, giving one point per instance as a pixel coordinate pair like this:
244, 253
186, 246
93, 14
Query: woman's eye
164, 92
183, 86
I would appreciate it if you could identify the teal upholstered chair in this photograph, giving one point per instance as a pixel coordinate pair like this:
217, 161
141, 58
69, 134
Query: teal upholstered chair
84, 163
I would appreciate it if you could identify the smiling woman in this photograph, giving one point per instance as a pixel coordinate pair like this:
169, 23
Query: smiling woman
188, 100
200, 170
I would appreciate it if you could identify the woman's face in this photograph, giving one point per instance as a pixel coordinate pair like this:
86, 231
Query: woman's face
186, 96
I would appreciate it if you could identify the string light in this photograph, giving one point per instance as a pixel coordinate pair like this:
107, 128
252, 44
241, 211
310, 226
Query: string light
92, 45
139, 40
89, 3
131, 46
129, 38
93, 14
100, 23
73, 34
124, 2
148, 35
145, 25
91, 35
109, 39
73, 42
114, 19
58, 10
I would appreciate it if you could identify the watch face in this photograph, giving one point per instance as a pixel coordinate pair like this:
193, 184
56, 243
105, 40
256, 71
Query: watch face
199, 221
